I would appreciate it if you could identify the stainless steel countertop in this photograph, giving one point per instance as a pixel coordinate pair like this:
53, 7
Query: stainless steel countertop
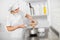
50, 37
27, 37
35, 38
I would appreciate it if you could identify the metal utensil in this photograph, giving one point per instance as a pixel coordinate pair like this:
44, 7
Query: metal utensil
33, 30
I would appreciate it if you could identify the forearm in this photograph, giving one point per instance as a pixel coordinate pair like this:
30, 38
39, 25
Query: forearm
29, 17
11, 28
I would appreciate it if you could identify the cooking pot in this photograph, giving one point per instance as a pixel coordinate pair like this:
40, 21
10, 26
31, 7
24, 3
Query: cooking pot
33, 30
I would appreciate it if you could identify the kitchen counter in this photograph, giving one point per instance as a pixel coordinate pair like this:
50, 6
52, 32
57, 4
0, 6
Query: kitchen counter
57, 31
28, 37
51, 36
35, 38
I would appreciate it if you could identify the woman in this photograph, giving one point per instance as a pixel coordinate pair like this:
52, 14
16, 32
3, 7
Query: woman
15, 22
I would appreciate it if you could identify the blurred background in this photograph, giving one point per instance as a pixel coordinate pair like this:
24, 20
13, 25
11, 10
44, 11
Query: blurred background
46, 12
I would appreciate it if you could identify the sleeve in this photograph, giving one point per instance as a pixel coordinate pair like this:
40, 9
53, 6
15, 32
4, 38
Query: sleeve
23, 14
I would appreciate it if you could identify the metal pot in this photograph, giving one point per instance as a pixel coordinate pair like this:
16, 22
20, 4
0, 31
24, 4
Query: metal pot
33, 31
41, 32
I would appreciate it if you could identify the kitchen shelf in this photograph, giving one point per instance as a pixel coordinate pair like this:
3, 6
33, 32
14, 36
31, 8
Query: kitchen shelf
40, 16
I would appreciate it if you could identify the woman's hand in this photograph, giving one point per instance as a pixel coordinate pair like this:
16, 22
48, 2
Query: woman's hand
33, 23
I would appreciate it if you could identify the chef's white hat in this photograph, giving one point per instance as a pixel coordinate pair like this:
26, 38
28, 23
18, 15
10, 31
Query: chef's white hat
13, 7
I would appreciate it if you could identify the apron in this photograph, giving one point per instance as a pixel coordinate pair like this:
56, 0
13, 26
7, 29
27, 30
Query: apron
18, 33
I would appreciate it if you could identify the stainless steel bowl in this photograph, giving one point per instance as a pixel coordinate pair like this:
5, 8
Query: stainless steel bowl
33, 31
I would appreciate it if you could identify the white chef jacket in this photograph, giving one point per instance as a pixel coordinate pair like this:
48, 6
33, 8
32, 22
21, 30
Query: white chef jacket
14, 20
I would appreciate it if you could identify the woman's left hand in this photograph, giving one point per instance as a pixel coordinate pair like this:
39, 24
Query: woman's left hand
33, 23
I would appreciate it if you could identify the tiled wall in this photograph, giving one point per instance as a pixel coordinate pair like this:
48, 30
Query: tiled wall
55, 13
